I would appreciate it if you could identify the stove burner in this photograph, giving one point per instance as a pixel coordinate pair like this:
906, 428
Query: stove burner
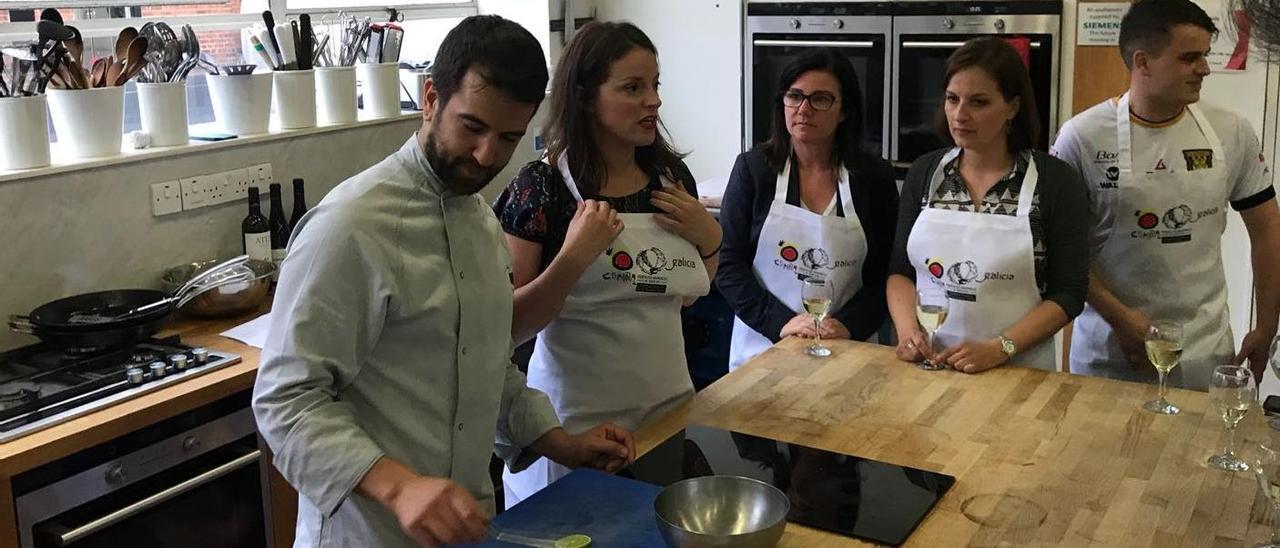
17, 393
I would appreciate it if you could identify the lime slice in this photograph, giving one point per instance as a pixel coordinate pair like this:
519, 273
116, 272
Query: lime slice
574, 541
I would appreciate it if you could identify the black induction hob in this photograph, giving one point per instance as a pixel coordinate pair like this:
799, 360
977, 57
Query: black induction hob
844, 494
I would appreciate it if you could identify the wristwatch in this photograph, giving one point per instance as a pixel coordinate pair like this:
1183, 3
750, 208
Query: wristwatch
1006, 344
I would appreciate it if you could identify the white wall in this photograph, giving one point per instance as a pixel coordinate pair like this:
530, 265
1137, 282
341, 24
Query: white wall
700, 55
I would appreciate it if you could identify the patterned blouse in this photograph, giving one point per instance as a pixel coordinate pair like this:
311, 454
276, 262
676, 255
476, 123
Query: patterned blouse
537, 206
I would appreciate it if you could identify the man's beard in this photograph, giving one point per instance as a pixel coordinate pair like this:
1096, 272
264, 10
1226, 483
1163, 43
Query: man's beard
448, 168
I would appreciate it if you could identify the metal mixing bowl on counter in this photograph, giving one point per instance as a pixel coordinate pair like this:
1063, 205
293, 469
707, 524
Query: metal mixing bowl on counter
228, 300
716, 511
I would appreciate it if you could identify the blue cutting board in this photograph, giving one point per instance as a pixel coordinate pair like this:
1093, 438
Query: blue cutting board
613, 511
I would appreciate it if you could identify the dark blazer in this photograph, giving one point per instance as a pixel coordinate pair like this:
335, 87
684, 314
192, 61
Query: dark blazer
742, 213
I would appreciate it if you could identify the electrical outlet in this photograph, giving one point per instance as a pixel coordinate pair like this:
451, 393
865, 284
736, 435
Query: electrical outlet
193, 193
216, 188
166, 198
239, 181
260, 176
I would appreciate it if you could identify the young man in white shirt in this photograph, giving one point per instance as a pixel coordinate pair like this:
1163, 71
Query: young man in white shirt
1161, 172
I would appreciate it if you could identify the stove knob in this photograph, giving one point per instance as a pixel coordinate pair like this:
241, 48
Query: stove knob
999, 24
157, 369
190, 444
201, 355
115, 474
795, 23
179, 362
948, 24
135, 375
839, 23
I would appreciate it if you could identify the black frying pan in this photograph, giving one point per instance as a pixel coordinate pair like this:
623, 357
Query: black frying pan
112, 337
58, 316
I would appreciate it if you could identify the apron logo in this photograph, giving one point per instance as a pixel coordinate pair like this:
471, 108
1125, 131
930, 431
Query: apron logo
963, 273
936, 269
621, 260
1105, 157
814, 258
788, 252
652, 261
963, 278
1198, 158
1177, 222
1113, 174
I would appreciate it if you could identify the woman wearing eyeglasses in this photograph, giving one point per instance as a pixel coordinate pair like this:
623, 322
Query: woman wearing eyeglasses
811, 202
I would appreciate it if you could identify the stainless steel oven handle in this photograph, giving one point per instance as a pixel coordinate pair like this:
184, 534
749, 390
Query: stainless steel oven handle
859, 44
945, 45
122, 514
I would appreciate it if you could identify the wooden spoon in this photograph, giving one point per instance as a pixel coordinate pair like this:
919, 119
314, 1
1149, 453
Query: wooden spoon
135, 62
123, 40
113, 72
98, 73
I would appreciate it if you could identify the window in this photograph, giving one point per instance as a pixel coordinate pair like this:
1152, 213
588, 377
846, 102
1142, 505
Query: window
218, 23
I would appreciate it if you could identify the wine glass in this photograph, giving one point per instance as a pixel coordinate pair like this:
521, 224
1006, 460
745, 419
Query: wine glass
1164, 349
1273, 358
932, 305
1265, 463
1233, 392
817, 302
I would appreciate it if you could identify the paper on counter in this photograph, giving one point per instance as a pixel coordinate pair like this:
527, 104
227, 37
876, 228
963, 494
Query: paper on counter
711, 190
252, 332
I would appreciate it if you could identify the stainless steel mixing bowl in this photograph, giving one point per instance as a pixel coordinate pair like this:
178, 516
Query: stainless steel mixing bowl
228, 300
715, 511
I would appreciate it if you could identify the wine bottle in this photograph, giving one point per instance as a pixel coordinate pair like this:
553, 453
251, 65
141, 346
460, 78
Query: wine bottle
279, 226
256, 230
299, 204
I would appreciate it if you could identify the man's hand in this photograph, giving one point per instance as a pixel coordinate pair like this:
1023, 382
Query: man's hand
1256, 347
1131, 333
606, 447
801, 325
832, 329
433, 511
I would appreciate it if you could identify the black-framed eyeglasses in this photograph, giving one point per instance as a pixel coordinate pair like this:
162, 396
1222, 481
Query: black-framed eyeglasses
819, 100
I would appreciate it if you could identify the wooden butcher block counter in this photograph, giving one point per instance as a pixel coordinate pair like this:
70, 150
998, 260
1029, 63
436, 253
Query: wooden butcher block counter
1039, 458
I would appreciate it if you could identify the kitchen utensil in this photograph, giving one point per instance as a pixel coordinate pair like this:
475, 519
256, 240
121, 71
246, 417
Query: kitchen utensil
231, 271
237, 70
4, 88
113, 72
306, 44
123, 40
528, 539
98, 73
270, 21
721, 511
134, 63
102, 338
288, 52
75, 53
227, 300
51, 14
393, 39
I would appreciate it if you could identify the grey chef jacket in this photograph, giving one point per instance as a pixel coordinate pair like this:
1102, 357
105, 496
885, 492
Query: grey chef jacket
390, 336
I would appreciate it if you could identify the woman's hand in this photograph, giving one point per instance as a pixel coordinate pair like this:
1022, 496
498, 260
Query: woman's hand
594, 226
913, 346
833, 329
684, 215
801, 326
974, 356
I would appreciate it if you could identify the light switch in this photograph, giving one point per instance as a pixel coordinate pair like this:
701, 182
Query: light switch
165, 198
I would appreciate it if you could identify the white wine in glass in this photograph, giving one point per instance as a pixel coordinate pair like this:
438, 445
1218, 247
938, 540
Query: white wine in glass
1265, 463
1233, 392
1164, 349
816, 295
1273, 359
932, 305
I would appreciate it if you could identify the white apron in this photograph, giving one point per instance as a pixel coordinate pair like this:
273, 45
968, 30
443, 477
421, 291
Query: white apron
1164, 258
987, 264
616, 351
796, 244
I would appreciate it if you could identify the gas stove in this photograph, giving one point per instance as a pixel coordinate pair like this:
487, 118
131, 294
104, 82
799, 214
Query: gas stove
43, 385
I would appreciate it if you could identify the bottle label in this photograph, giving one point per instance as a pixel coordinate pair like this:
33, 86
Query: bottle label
258, 246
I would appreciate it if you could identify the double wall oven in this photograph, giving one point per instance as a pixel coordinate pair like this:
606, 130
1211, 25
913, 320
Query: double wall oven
899, 50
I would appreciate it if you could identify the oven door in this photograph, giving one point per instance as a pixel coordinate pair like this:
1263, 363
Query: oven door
772, 44
211, 501
922, 45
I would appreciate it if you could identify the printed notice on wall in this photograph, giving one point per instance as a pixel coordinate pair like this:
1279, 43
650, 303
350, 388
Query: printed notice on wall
1098, 23
1229, 50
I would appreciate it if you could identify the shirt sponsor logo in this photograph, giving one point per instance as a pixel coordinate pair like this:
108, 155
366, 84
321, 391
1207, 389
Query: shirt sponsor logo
1198, 158
1105, 157
1160, 165
963, 279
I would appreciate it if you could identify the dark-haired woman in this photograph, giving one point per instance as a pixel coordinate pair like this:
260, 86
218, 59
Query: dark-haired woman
607, 240
1001, 229
810, 202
